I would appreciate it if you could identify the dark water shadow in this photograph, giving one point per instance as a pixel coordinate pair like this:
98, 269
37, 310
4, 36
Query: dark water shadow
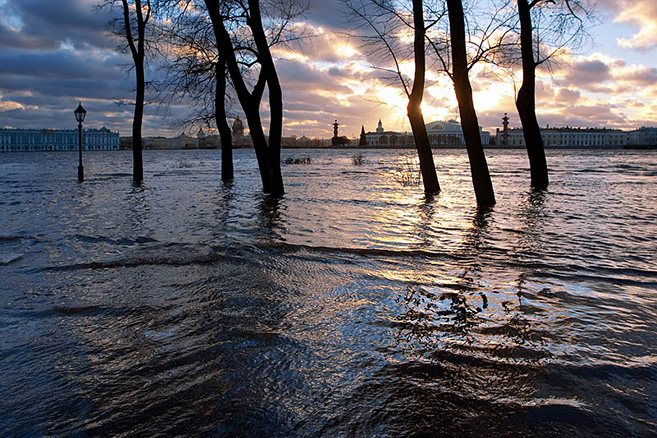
139, 209
225, 201
271, 225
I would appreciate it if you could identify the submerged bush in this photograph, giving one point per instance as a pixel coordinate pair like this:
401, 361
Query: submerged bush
302, 160
183, 164
358, 160
408, 173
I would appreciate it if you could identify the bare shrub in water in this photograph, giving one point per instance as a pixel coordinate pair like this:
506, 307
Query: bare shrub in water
302, 160
408, 173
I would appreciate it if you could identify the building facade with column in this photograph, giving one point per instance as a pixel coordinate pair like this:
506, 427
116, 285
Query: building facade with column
38, 140
441, 134
569, 138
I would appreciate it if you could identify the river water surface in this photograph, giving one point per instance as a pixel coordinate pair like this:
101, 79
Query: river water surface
353, 306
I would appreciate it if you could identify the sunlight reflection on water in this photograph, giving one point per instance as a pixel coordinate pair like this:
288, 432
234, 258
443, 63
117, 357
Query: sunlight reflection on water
352, 306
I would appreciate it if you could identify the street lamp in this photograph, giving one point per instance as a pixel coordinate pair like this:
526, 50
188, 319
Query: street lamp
79, 116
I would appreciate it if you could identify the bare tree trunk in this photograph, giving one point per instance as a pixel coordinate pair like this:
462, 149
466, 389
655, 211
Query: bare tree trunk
526, 102
137, 160
227, 171
138, 53
481, 181
414, 108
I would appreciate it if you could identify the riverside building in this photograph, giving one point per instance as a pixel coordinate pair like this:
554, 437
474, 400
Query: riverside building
441, 134
643, 137
36, 140
568, 138
572, 137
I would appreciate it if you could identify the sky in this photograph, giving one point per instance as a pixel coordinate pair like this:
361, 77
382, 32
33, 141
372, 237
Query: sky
56, 53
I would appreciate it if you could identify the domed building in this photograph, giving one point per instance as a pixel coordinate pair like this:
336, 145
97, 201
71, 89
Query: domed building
450, 133
441, 134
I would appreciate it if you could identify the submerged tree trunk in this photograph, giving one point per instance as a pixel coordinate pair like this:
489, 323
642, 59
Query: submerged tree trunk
481, 181
526, 102
267, 154
227, 172
414, 108
137, 161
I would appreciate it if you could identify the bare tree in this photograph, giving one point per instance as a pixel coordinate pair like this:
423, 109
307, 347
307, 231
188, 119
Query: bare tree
136, 15
565, 25
245, 48
196, 73
414, 109
460, 68
380, 23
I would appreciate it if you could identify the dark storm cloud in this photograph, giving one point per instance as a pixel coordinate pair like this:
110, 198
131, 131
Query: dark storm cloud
62, 64
72, 89
330, 13
46, 24
55, 53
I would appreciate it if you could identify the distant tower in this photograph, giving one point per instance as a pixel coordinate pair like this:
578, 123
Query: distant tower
363, 137
505, 132
379, 127
200, 134
238, 128
335, 129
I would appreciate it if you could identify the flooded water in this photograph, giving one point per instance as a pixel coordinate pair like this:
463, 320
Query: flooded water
353, 306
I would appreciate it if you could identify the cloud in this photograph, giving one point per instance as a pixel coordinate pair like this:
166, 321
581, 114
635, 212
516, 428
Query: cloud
568, 96
55, 53
46, 25
588, 73
640, 13
331, 14
9, 105
61, 64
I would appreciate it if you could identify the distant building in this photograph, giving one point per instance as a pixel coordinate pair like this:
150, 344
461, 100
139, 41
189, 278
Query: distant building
643, 137
239, 139
570, 138
441, 134
238, 127
34, 140
294, 142
450, 133
382, 138
153, 142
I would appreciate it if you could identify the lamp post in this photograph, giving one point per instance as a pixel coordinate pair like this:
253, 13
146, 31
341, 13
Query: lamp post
80, 113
